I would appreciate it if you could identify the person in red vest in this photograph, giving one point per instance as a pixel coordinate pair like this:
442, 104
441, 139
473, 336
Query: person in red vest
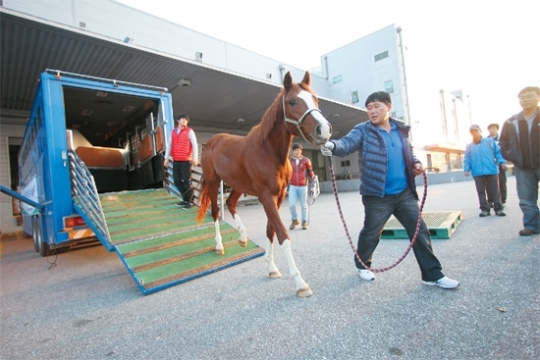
183, 149
301, 166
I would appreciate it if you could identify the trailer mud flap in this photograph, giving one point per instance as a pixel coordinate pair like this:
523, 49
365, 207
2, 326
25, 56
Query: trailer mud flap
162, 245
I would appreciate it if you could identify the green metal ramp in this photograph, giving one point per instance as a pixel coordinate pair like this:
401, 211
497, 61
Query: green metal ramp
162, 245
441, 225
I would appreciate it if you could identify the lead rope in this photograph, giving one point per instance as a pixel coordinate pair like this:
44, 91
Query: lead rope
411, 243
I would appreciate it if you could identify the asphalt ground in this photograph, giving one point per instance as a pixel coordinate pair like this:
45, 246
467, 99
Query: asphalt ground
88, 307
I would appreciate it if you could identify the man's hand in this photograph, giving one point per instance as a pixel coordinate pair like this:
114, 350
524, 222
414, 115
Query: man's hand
166, 163
194, 163
467, 173
327, 148
504, 166
417, 169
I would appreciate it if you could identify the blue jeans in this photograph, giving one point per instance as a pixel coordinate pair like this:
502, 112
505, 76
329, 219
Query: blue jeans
298, 193
404, 207
527, 190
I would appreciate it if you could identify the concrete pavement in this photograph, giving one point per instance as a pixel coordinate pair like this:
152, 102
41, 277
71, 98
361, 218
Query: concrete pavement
87, 306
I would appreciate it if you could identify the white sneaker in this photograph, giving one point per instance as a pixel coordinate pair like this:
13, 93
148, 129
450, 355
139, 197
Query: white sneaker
366, 275
443, 282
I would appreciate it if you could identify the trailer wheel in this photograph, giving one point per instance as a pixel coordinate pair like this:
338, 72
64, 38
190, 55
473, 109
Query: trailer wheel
39, 245
36, 233
44, 249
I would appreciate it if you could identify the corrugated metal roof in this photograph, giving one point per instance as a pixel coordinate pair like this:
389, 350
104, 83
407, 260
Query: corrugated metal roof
215, 98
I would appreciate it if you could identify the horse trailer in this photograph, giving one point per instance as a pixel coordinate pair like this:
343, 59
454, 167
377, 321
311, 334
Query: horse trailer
91, 167
87, 136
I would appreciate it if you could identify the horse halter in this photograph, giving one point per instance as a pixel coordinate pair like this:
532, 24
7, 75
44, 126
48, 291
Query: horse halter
298, 122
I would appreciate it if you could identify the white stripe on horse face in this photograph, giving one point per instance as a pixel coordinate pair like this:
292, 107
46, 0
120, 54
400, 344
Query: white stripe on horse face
308, 99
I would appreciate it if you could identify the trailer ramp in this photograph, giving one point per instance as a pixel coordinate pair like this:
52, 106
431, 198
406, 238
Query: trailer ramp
162, 245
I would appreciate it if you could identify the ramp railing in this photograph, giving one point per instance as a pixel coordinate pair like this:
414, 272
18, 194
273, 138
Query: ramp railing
196, 173
83, 188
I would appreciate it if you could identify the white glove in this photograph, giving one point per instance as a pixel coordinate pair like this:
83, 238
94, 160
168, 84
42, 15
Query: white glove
327, 148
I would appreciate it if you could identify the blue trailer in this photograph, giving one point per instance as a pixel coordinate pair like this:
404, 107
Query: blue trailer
114, 128
91, 168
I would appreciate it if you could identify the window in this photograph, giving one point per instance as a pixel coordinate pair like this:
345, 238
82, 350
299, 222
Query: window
345, 163
381, 56
389, 86
337, 79
354, 97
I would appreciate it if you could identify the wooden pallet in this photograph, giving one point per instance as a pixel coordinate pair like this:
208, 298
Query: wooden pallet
441, 225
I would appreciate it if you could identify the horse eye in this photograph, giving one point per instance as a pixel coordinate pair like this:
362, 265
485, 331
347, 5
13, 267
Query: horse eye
292, 102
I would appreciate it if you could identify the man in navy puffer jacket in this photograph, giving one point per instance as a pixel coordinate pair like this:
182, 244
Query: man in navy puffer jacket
387, 170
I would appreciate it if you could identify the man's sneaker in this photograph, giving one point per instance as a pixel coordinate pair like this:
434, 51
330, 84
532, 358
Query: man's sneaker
443, 282
366, 275
527, 232
181, 203
484, 213
186, 206
293, 224
304, 225
500, 213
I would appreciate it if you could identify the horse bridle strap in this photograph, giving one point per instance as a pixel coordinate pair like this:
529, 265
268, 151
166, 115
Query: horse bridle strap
298, 122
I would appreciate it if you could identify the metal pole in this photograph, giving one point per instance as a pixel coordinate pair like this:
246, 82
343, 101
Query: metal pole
222, 210
443, 109
405, 87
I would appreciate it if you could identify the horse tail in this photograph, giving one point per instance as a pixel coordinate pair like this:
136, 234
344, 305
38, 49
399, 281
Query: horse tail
204, 200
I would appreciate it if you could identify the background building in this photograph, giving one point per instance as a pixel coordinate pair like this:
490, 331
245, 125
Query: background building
221, 86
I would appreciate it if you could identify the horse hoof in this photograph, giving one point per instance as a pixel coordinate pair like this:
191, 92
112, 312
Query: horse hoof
305, 292
243, 243
220, 252
275, 275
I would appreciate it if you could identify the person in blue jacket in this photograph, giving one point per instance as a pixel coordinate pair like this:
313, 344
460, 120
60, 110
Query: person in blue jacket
483, 158
387, 170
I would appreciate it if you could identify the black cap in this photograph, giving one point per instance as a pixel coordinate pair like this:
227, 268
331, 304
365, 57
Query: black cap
297, 146
180, 116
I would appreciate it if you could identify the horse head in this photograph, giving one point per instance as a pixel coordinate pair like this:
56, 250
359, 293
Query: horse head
301, 111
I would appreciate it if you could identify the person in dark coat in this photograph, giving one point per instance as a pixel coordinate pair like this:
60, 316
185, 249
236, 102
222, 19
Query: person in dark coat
493, 130
520, 144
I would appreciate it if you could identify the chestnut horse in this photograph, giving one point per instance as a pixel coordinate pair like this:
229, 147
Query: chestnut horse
258, 164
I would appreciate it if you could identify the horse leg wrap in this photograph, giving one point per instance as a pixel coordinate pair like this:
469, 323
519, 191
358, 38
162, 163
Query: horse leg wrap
220, 250
241, 229
302, 288
273, 271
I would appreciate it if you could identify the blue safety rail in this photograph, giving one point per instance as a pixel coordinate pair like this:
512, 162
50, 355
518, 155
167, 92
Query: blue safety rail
86, 199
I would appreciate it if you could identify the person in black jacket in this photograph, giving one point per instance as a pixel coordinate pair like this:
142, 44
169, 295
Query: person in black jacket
520, 144
494, 134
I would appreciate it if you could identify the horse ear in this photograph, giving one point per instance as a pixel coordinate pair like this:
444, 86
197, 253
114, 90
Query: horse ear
307, 78
287, 81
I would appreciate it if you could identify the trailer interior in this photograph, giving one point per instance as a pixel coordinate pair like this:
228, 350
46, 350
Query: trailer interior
119, 138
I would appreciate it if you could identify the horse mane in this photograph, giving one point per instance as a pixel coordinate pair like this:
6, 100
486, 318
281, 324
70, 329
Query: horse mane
261, 131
